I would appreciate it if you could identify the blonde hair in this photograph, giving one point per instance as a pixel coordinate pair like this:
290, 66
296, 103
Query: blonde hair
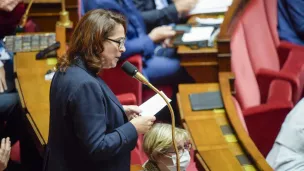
158, 140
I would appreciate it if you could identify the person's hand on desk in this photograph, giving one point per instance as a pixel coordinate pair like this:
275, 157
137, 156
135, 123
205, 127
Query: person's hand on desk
143, 124
184, 6
167, 43
161, 33
3, 85
5, 151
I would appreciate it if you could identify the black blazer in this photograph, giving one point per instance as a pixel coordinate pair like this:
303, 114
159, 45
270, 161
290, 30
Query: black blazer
154, 17
89, 130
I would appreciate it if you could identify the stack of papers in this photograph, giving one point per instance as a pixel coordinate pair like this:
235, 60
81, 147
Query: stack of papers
211, 6
153, 105
198, 34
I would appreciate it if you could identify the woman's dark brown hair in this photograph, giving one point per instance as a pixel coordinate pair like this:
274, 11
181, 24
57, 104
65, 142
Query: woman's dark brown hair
88, 38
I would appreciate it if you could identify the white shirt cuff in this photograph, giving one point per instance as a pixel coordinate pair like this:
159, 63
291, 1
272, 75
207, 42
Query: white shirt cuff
1, 64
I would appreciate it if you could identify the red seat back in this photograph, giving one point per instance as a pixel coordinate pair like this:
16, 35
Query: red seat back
121, 83
261, 48
271, 9
247, 90
135, 157
15, 152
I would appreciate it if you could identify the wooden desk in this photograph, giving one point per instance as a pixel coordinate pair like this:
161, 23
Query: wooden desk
218, 148
200, 63
136, 168
34, 90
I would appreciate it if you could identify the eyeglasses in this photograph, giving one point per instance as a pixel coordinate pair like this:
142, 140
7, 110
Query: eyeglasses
181, 150
120, 42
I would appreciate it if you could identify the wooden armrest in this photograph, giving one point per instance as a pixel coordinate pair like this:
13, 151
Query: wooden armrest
243, 136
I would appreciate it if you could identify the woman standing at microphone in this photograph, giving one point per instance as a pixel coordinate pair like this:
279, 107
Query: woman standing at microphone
89, 128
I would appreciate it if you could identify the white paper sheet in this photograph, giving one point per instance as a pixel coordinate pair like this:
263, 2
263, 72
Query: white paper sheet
211, 6
153, 105
209, 20
198, 34
49, 76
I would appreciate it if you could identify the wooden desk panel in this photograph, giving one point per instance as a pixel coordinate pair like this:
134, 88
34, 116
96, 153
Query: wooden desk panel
205, 131
35, 90
185, 50
200, 63
220, 159
136, 168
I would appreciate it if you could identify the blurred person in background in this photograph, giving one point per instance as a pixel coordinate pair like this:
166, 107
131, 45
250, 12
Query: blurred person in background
163, 12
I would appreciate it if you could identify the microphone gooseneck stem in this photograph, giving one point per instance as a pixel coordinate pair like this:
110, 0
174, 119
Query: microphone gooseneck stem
25, 15
133, 72
173, 122
63, 5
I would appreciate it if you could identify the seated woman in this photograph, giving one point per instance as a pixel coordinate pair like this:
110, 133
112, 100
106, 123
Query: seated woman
158, 147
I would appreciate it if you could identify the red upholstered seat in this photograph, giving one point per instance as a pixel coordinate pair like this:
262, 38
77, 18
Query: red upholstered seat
136, 157
283, 47
263, 119
15, 152
264, 58
121, 83
127, 99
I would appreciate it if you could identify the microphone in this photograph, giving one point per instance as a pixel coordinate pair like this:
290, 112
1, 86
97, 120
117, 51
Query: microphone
41, 54
20, 27
131, 70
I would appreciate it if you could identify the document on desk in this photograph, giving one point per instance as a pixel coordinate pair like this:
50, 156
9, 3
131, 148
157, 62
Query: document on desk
4, 54
198, 34
153, 105
210, 6
209, 20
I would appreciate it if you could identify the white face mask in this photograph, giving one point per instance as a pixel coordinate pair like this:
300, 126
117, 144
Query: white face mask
184, 161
